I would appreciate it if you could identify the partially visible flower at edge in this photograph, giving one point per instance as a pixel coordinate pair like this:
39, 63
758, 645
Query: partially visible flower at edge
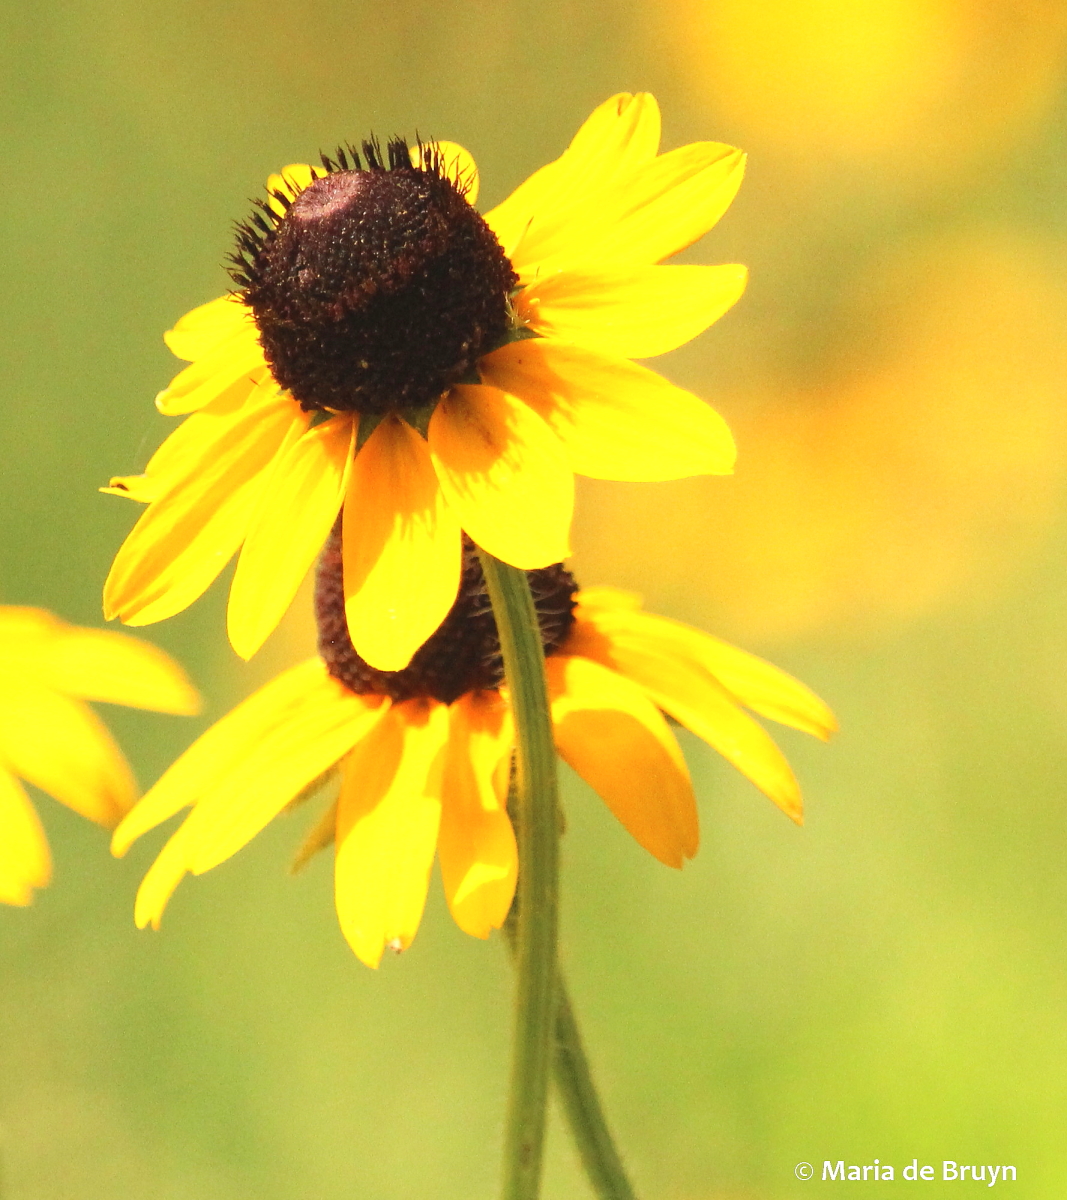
50, 738
420, 776
552, 392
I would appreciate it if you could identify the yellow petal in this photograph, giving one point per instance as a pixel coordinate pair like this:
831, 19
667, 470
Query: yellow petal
98, 664
157, 887
752, 681
616, 420
610, 598
631, 312
268, 756
251, 388
619, 136
457, 164
313, 738
615, 738
61, 746
186, 536
133, 487
23, 631
693, 697
25, 863
292, 180
205, 328
664, 206
479, 859
237, 358
297, 508
504, 474
387, 821
26, 636
221, 749
91, 664
182, 450
401, 548
319, 836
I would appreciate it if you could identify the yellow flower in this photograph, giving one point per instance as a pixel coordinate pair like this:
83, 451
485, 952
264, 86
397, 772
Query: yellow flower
419, 774
474, 363
51, 739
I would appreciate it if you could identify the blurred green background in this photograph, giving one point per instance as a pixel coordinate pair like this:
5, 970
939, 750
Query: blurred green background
887, 982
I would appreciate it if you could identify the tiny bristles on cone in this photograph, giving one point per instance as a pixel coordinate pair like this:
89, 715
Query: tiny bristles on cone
462, 656
379, 287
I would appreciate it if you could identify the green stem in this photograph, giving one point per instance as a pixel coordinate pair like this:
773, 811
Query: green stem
581, 1104
589, 1127
537, 833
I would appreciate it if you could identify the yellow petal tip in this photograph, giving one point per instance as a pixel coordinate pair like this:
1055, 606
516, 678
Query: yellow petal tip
792, 806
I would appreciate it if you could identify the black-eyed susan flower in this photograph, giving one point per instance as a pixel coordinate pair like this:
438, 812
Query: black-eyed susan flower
475, 363
50, 738
425, 752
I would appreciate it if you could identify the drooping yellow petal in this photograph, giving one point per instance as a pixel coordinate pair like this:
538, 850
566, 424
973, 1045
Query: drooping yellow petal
185, 538
99, 664
238, 357
631, 312
160, 881
291, 181
318, 837
221, 749
619, 136
752, 681
25, 863
504, 474
328, 723
662, 207
387, 820
183, 449
479, 859
59, 745
457, 162
249, 766
297, 508
205, 328
608, 730
401, 548
616, 420
695, 698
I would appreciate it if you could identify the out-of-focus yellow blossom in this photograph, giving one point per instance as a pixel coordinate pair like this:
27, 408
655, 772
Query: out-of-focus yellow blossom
51, 738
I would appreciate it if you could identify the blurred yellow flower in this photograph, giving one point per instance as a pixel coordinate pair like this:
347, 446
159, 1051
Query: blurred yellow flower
474, 364
420, 775
53, 740
926, 85
922, 467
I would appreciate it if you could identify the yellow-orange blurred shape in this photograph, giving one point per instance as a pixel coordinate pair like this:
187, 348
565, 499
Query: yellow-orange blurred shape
924, 82
931, 462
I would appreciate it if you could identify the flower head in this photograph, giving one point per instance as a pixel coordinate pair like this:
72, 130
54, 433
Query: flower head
49, 737
432, 372
425, 752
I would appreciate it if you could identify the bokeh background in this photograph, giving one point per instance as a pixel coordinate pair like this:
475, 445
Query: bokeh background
887, 982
